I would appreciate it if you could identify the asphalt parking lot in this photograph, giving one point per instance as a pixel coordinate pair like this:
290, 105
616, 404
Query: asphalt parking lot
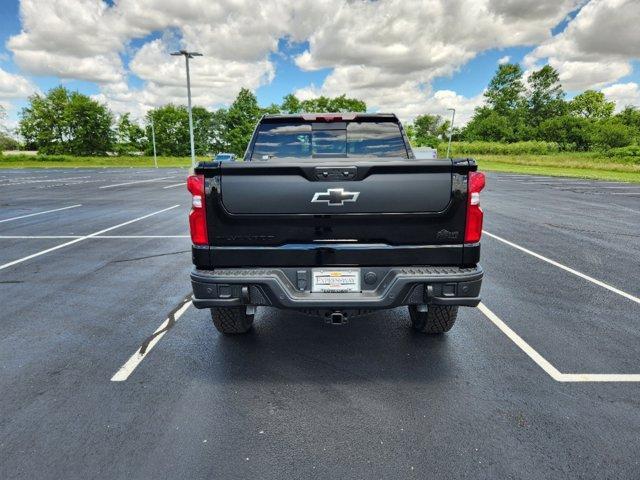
541, 381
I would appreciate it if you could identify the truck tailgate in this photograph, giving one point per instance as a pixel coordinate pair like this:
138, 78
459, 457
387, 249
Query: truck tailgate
297, 209
352, 186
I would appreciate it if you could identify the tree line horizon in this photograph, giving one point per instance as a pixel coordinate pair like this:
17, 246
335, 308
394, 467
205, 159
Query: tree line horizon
516, 109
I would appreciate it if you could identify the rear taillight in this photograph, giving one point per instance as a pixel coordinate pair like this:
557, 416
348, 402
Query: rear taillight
197, 215
473, 230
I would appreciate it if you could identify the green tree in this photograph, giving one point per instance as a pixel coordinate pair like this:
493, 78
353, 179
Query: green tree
66, 122
442, 131
505, 90
332, 105
545, 97
43, 122
241, 119
130, 137
611, 133
345, 104
504, 117
171, 125
291, 104
218, 131
489, 125
7, 142
272, 109
630, 117
89, 126
202, 141
427, 130
569, 132
317, 105
592, 105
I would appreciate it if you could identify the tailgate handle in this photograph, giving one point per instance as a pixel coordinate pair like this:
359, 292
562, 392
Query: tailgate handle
336, 173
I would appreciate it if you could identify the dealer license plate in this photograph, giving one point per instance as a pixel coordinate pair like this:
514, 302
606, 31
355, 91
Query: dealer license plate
336, 281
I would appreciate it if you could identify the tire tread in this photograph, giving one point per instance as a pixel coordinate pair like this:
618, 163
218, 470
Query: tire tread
438, 319
231, 320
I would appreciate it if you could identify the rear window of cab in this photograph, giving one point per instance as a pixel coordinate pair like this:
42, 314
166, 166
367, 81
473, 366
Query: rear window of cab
302, 139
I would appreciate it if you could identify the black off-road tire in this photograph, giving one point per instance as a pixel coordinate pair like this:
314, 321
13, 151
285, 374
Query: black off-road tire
438, 319
231, 320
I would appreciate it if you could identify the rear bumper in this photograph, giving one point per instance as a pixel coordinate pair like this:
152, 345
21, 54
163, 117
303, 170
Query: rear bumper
334, 254
289, 288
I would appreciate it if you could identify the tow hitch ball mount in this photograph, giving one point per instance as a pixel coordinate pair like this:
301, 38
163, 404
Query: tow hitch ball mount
336, 318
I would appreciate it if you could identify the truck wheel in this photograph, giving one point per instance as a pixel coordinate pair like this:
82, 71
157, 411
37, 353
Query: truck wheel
438, 319
229, 320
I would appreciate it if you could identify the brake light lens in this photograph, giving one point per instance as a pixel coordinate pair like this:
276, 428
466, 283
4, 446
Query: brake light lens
197, 215
473, 229
329, 117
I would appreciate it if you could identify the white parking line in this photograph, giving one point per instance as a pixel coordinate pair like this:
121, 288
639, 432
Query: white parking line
524, 346
36, 237
127, 369
182, 184
141, 236
543, 363
40, 213
570, 184
76, 240
600, 377
42, 181
566, 269
13, 179
524, 175
136, 182
608, 187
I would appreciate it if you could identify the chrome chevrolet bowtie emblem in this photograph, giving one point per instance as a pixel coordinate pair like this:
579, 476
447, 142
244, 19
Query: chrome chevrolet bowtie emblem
335, 197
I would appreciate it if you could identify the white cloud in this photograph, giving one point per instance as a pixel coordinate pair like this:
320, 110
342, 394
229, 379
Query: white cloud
408, 36
85, 40
596, 47
213, 80
386, 53
408, 101
417, 34
77, 39
504, 60
121, 99
624, 94
15, 86
444, 99
100, 68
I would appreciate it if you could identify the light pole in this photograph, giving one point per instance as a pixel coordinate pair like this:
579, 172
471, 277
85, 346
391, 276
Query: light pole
453, 117
187, 56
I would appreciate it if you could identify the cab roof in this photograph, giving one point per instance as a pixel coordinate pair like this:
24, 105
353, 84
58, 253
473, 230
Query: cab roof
330, 117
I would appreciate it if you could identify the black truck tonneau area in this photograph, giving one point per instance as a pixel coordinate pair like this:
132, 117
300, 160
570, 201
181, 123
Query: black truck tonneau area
342, 195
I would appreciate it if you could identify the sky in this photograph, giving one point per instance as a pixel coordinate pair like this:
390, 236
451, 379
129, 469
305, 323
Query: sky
408, 57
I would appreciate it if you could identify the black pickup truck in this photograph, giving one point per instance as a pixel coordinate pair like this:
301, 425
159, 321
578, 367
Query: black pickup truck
332, 215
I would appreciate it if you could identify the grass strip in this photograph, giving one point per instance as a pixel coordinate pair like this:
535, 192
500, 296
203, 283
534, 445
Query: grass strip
572, 164
564, 165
